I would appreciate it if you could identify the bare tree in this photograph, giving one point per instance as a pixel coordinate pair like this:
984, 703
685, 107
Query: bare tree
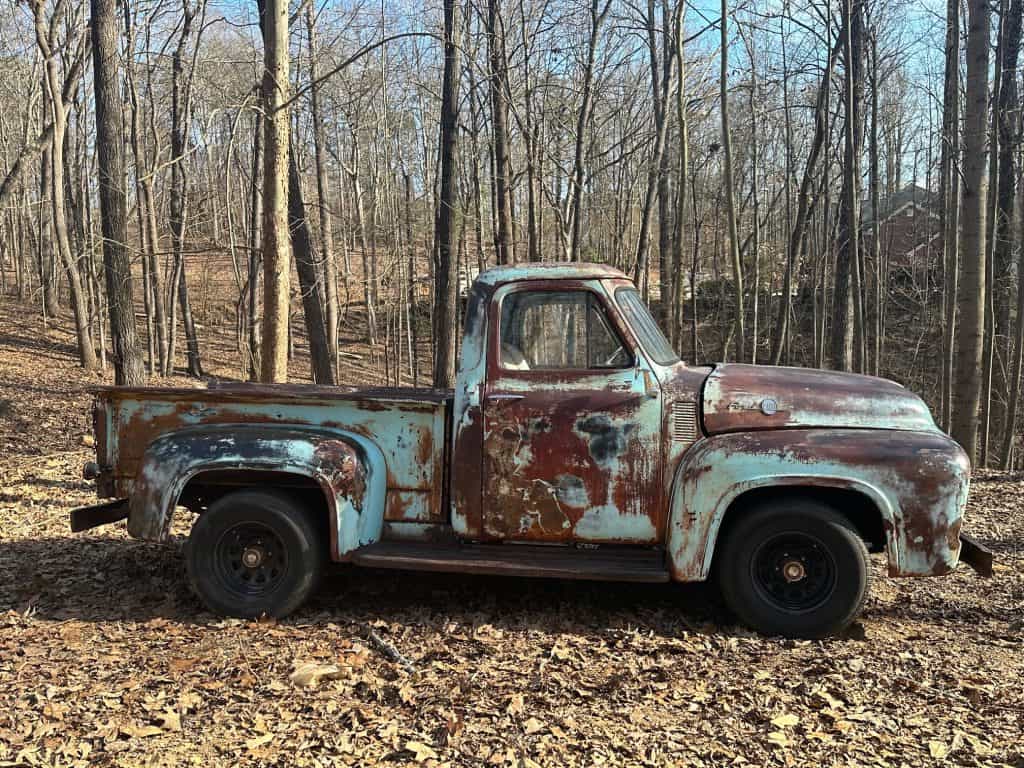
46, 39
973, 217
446, 229
276, 241
128, 365
730, 192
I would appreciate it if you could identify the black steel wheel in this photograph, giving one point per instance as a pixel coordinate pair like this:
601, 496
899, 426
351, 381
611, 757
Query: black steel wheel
255, 553
793, 567
250, 559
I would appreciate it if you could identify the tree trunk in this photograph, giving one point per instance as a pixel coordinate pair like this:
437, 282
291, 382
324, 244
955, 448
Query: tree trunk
446, 229
1017, 368
973, 217
730, 193
276, 241
949, 214
597, 17
498, 82
45, 37
129, 369
798, 235
324, 221
309, 283
181, 111
1008, 126
255, 254
847, 283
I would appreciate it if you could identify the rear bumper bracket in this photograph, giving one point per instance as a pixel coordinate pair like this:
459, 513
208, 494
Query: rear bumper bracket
976, 555
84, 518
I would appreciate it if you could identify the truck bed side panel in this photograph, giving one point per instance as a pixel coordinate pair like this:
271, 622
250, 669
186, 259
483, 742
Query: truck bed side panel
409, 433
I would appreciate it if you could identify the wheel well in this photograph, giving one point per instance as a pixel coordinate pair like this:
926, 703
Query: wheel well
206, 487
856, 507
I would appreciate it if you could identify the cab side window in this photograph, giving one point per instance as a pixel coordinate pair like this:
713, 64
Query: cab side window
558, 330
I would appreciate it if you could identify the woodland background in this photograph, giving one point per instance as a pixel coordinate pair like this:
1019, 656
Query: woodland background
316, 183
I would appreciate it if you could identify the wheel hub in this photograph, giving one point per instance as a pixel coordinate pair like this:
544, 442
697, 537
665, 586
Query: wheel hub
793, 571
252, 557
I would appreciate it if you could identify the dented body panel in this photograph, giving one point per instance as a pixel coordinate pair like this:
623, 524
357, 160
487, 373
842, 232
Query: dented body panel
636, 453
739, 398
917, 482
160, 439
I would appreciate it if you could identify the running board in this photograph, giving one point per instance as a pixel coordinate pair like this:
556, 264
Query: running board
555, 562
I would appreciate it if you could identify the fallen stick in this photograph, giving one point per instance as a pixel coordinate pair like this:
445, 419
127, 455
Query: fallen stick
389, 650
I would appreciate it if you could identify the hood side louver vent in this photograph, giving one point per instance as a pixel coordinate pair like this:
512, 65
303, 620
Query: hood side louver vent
684, 422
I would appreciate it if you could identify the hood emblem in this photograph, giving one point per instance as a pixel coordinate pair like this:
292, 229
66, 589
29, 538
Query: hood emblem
769, 407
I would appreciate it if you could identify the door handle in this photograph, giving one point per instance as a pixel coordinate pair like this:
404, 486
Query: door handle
502, 398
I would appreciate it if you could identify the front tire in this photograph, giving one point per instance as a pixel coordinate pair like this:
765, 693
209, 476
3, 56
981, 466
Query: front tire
794, 567
255, 553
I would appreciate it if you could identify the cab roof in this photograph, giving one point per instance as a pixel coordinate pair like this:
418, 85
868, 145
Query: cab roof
552, 270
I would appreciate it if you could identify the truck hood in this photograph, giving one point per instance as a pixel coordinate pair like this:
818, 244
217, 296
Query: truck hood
739, 398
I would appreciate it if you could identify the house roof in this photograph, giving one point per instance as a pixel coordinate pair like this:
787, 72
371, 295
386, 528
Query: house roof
565, 270
911, 194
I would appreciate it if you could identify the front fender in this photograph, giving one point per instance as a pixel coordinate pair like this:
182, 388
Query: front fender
348, 467
918, 482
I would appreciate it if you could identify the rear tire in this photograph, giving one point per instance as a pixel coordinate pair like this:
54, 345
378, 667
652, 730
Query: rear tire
794, 567
255, 553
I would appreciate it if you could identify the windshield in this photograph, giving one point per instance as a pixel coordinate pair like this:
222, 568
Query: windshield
639, 318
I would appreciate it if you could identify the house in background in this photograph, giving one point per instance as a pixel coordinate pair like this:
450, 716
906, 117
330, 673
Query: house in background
910, 237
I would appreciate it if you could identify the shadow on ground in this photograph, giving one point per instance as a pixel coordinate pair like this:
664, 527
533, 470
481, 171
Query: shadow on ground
112, 579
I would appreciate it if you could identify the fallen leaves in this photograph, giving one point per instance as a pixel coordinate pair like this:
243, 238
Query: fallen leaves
309, 674
107, 659
785, 721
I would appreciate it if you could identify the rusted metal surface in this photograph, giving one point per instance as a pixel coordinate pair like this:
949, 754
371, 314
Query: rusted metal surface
628, 563
84, 518
976, 555
348, 469
467, 423
408, 432
738, 398
916, 481
570, 454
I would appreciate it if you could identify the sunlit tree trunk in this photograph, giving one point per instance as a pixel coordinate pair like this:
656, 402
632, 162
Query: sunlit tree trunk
276, 240
128, 364
973, 217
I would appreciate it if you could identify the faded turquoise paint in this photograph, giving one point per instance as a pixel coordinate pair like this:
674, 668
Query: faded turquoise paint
398, 429
918, 482
467, 416
551, 271
349, 468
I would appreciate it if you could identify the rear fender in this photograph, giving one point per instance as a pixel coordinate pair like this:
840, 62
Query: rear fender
349, 468
916, 480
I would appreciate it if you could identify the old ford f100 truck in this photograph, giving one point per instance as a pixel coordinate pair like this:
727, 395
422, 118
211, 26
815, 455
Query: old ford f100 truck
576, 444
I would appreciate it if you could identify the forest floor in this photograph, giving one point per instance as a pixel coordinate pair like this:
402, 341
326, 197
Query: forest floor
106, 658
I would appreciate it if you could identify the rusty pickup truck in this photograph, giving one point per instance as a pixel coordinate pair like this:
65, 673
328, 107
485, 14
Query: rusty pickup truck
576, 444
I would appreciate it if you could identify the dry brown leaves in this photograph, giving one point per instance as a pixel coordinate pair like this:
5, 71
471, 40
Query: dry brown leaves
107, 659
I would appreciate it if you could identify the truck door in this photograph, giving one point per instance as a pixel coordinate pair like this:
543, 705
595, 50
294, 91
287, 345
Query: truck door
572, 420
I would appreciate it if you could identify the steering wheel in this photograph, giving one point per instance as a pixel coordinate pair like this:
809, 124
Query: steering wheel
617, 359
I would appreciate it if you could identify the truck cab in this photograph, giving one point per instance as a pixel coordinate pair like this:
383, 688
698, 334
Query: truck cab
575, 444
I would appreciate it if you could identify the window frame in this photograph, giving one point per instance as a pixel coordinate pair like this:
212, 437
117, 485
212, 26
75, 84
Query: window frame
602, 304
641, 337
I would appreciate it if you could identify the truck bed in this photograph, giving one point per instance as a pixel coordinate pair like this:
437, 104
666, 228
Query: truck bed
410, 426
